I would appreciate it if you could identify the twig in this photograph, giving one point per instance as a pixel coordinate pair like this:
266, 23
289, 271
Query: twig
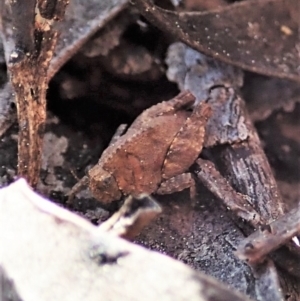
34, 42
255, 247
132, 217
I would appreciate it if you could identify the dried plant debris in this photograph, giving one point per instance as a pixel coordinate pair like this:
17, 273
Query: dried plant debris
242, 157
82, 20
270, 237
230, 123
185, 64
34, 41
204, 237
64, 149
119, 73
263, 38
137, 58
72, 253
132, 217
259, 184
203, 76
235, 202
99, 14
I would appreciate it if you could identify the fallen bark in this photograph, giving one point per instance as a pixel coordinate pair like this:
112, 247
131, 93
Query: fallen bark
232, 141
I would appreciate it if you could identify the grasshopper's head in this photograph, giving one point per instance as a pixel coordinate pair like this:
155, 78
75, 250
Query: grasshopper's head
103, 185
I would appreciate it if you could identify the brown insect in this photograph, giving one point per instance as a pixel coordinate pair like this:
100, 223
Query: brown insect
154, 154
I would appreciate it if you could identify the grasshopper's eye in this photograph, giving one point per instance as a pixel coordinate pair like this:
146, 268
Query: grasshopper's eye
104, 186
106, 181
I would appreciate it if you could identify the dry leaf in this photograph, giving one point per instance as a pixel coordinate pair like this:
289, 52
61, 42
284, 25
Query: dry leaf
52, 254
260, 36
